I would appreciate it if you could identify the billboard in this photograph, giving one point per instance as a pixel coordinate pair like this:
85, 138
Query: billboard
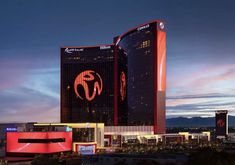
86, 149
38, 142
221, 123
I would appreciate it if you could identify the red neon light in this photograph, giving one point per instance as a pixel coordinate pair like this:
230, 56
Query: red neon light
161, 60
123, 86
82, 79
13, 146
220, 123
159, 79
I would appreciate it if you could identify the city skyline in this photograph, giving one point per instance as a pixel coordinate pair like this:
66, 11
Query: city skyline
200, 60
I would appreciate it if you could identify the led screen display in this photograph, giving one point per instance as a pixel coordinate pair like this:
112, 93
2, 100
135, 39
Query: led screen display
86, 149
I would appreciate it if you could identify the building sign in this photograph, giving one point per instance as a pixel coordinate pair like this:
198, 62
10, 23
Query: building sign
11, 129
71, 50
85, 78
86, 149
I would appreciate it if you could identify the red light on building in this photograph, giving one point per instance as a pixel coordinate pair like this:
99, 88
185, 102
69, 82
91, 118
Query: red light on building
220, 123
38, 142
123, 86
160, 80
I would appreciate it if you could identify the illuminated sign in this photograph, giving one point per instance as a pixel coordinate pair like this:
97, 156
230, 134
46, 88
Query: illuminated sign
86, 149
123, 86
71, 50
143, 27
105, 47
68, 129
83, 78
11, 129
161, 61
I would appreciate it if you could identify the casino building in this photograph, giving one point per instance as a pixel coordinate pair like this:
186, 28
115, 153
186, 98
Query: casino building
110, 95
122, 84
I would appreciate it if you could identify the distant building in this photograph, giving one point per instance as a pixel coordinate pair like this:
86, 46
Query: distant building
221, 122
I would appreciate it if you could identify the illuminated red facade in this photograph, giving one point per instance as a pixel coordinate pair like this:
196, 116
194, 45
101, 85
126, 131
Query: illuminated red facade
38, 142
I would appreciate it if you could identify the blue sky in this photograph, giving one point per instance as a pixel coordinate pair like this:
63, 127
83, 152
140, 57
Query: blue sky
200, 51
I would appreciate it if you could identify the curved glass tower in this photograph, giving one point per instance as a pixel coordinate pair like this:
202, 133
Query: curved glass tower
141, 56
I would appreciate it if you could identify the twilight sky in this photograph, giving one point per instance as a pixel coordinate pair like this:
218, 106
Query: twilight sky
200, 51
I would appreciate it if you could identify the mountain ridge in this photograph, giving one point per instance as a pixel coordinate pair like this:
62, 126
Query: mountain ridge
196, 122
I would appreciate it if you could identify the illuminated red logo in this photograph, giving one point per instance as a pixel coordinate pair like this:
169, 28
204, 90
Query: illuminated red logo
123, 86
88, 77
220, 123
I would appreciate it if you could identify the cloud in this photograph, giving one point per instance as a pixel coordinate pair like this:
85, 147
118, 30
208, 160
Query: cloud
208, 80
201, 91
199, 106
209, 95
45, 82
25, 104
36, 99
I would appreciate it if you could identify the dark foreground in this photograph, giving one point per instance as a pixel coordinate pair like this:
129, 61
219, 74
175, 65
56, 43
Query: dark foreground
203, 157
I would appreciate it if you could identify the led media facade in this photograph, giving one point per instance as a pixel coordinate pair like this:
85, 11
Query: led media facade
144, 51
221, 123
87, 84
119, 84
